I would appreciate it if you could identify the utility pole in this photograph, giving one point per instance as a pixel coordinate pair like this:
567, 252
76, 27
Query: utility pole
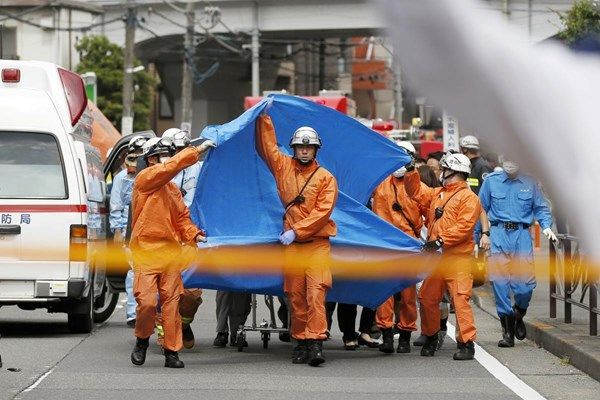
127, 120
398, 100
530, 18
321, 65
187, 82
255, 55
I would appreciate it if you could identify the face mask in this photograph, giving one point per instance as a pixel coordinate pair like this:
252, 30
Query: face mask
164, 159
443, 176
511, 168
399, 173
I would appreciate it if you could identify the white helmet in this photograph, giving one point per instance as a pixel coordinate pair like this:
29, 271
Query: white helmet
469, 142
180, 138
456, 162
408, 146
305, 135
157, 146
136, 144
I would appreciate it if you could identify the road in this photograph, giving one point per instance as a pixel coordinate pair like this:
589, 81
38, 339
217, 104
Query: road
55, 364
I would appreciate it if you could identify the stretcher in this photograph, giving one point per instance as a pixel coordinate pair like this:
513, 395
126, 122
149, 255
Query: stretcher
266, 328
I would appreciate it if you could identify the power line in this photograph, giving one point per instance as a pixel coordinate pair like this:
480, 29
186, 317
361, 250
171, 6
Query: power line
86, 28
30, 10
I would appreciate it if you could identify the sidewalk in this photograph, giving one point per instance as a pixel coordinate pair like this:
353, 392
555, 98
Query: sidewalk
570, 342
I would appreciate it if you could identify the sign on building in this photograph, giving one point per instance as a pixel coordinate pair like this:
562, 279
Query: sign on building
451, 133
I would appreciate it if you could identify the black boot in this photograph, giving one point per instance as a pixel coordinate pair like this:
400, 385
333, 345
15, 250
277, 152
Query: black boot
429, 346
441, 337
285, 337
466, 351
187, 336
388, 341
315, 353
520, 331
508, 331
300, 353
235, 341
172, 359
404, 342
138, 356
221, 339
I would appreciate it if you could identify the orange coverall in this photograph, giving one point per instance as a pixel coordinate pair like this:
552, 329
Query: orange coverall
392, 191
311, 222
161, 223
455, 228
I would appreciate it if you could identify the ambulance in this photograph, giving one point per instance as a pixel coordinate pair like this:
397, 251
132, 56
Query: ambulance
53, 203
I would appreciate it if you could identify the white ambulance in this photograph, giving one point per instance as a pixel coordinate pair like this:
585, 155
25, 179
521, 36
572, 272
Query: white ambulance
53, 210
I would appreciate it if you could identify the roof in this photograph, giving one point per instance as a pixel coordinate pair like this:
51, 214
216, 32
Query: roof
73, 4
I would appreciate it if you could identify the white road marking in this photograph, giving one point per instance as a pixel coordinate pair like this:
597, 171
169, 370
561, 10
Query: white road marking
500, 371
39, 380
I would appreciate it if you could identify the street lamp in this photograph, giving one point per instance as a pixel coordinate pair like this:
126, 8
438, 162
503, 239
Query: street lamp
127, 120
135, 69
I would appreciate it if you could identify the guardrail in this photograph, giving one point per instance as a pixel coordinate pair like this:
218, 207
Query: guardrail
571, 280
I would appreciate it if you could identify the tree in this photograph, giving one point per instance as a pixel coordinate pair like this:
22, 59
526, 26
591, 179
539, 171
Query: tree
582, 20
99, 55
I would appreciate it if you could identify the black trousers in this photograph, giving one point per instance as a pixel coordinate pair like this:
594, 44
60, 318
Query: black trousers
346, 316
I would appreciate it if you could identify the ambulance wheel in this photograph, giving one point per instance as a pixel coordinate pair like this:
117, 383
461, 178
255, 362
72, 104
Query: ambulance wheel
105, 305
81, 318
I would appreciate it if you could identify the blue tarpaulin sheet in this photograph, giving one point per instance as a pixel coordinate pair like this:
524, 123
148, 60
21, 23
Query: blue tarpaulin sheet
237, 204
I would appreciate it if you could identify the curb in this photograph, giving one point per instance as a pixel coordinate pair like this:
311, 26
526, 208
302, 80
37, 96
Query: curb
562, 340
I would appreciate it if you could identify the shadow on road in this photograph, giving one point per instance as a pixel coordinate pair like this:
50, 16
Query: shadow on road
33, 329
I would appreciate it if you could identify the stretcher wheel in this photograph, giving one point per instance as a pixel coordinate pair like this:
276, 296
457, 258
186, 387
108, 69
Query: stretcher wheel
240, 340
266, 336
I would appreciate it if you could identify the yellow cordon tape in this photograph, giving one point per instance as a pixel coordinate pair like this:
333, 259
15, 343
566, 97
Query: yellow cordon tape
346, 262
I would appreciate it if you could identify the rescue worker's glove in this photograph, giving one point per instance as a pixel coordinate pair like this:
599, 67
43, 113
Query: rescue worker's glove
411, 164
549, 234
433, 246
205, 146
287, 237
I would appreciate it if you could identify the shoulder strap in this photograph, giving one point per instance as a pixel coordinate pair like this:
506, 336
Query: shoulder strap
442, 208
450, 198
299, 199
401, 210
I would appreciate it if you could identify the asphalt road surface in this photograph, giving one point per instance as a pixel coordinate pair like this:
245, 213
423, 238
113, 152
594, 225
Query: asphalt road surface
51, 363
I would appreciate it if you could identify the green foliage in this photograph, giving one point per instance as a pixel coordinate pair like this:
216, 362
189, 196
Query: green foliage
99, 55
581, 20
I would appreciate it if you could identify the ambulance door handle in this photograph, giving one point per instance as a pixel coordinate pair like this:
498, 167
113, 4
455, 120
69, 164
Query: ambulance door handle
10, 229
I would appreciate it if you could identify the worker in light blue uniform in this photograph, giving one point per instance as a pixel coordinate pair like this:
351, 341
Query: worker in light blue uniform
512, 201
120, 199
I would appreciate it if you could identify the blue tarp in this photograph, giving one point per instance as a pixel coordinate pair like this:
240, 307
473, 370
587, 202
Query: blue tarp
236, 200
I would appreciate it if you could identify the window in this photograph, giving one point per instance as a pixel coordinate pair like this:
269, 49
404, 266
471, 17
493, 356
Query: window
9, 43
31, 166
165, 110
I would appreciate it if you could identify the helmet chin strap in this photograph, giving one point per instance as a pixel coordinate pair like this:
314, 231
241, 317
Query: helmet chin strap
305, 162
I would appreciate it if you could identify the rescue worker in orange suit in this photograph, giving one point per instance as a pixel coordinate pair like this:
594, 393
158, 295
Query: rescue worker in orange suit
392, 204
309, 193
452, 212
191, 298
163, 242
